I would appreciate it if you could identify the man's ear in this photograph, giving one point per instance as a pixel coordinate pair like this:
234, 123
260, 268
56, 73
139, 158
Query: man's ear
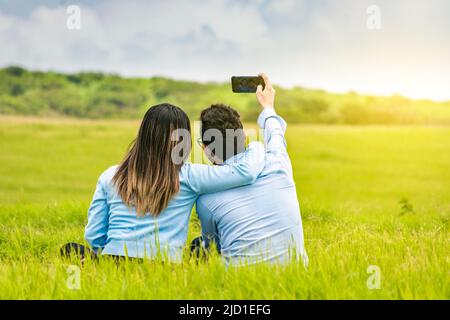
211, 156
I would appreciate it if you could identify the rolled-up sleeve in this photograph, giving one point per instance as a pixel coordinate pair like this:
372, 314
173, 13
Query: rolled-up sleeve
274, 129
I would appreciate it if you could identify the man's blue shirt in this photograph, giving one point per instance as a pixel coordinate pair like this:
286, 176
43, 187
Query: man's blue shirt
258, 222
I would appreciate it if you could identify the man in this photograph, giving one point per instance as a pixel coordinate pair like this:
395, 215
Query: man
259, 222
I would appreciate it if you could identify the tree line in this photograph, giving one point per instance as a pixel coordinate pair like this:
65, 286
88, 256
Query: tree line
99, 95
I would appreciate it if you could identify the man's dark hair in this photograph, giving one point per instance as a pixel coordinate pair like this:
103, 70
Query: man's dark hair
226, 120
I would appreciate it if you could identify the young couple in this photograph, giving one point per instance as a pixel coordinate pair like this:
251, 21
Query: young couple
246, 201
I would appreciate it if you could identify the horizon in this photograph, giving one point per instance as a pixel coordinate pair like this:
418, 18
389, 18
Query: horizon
218, 82
386, 50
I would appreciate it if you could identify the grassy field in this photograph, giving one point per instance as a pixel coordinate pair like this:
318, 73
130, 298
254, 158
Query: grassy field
370, 196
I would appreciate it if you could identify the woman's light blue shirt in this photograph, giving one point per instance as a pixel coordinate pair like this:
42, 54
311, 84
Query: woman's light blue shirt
115, 228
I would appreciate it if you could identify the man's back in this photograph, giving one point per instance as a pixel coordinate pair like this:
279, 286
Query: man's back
259, 222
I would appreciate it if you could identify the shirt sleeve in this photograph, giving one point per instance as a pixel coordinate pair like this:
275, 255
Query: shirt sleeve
204, 178
274, 129
98, 214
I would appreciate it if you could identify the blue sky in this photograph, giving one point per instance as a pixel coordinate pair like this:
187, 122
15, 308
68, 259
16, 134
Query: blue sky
319, 44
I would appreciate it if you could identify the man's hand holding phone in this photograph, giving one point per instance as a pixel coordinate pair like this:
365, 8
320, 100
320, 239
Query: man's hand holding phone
266, 96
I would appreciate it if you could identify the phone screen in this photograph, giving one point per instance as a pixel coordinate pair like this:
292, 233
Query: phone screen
246, 84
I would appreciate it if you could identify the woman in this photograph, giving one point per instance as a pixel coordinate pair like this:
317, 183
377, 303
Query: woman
141, 208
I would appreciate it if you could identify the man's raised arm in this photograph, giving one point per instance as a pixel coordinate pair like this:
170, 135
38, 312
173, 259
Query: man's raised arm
273, 125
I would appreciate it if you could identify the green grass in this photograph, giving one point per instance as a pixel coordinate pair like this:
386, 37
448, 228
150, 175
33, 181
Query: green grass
369, 196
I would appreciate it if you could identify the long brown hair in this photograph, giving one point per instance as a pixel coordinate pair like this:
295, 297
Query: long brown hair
148, 177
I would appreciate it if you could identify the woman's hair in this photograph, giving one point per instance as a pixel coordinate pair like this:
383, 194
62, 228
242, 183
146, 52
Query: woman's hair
148, 176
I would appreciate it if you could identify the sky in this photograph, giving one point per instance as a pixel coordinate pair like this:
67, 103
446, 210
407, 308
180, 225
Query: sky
323, 44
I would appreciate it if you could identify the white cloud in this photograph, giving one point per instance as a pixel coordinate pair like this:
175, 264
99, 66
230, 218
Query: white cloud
318, 44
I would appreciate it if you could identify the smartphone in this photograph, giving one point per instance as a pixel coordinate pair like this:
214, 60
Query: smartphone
246, 84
